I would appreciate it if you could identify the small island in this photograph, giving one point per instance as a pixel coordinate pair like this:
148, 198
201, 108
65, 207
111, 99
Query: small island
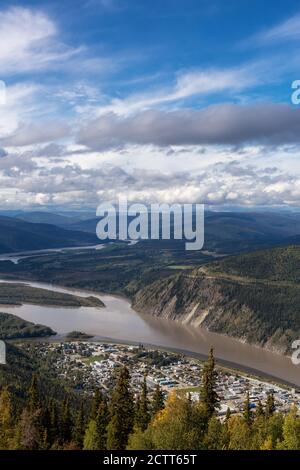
78, 335
17, 294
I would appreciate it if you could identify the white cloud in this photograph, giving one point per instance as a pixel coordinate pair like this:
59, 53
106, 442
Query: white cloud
214, 177
25, 117
33, 133
223, 124
29, 41
288, 30
149, 144
20, 103
190, 84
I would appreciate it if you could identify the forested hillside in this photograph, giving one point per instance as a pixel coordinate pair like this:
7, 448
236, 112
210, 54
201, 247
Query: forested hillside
254, 297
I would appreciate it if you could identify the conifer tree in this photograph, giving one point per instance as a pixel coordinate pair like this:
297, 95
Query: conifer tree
53, 429
6, 419
142, 415
270, 405
34, 399
66, 422
226, 428
90, 441
79, 427
259, 409
44, 440
137, 407
247, 410
46, 424
97, 398
121, 413
208, 394
102, 420
228, 415
158, 400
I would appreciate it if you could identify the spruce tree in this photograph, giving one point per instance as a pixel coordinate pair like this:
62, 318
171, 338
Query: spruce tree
270, 405
259, 409
121, 413
46, 424
34, 399
79, 427
102, 420
90, 441
53, 430
97, 398
247, 410
66, 422
228, 415
137, 412
44, 440
6, 419
208, 394
158, 400
95, 436
142, 415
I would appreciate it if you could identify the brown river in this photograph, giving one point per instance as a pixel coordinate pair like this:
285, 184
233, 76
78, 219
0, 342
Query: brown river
119, 322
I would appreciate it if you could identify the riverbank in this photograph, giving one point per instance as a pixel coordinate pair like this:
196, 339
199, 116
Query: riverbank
119, 322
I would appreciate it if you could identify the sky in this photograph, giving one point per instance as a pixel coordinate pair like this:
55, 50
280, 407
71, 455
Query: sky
161, 101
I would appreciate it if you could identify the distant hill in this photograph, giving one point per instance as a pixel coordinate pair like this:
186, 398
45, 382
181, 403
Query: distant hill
233, 232
254, 297
40, 217
225, 232
17, 235
88, 225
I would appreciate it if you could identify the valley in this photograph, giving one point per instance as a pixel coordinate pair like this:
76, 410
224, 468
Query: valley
253, 297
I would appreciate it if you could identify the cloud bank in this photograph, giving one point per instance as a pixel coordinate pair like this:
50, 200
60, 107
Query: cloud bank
221, 124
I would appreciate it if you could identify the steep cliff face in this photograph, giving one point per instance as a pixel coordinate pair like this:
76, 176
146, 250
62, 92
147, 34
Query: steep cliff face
187, 298
262, 311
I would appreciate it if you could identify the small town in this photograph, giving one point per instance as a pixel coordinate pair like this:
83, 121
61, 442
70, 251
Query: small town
87, 366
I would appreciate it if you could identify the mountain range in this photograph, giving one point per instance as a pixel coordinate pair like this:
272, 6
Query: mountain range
225, 232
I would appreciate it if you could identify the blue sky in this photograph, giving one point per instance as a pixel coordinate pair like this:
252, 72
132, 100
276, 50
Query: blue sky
173, 100
147, 46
